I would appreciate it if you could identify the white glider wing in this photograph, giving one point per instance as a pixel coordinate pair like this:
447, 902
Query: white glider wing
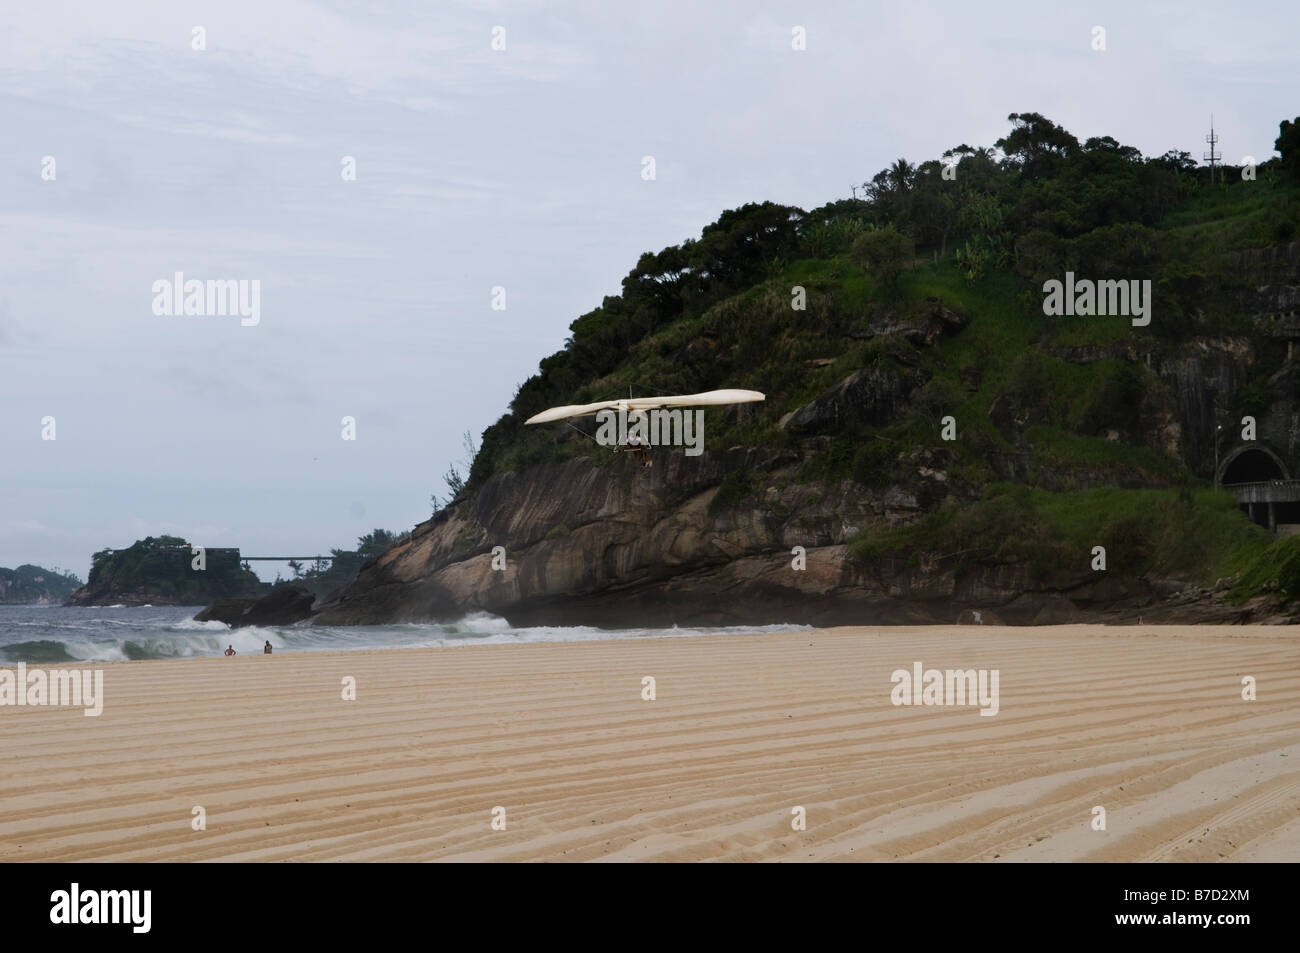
647, 403
572, 410
692, 400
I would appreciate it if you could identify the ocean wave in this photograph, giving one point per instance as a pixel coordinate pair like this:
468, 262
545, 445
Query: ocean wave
212, 625
42, 650
168, 633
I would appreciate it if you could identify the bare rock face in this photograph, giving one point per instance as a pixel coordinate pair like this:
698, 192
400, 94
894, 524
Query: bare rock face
283, 605
611, 544
872, 395
920, 328
618, 545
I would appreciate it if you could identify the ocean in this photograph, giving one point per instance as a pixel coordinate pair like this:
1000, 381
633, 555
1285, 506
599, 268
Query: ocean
49, 634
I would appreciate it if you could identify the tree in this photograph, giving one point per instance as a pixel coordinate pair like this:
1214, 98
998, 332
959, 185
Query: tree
376, 542
455, 482
1287, 145
296, 567
1176, 161
471, 451
977, 169
900, 175
879, 188
1110, 144
890, 190
733, 251
883, 253
933, 211
1036, 143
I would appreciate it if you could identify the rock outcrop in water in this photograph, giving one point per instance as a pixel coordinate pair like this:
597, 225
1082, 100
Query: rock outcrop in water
283, 605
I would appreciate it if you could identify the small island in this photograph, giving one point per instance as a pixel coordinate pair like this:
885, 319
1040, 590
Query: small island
165, 571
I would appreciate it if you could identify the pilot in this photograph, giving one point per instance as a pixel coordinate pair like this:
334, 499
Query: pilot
642, 452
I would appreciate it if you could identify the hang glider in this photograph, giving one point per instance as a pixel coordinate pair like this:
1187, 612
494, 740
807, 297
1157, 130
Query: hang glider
647, 403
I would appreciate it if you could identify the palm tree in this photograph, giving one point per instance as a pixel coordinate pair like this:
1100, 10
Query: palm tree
901, 174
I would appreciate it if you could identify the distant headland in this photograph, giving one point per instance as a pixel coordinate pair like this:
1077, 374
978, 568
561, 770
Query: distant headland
35, 586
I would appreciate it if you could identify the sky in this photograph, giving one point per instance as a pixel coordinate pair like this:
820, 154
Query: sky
212, 139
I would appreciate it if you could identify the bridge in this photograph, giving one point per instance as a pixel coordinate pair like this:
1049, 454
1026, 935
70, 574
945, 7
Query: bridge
281, 559
1261, 498
226, 552
1259, 479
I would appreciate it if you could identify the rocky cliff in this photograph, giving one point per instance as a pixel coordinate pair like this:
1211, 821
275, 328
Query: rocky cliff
619, 545
713, 539
839, 500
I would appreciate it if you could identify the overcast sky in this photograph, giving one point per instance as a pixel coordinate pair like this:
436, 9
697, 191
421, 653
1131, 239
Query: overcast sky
475, 168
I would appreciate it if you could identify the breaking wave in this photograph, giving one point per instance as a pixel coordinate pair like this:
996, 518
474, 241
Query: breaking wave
77, 634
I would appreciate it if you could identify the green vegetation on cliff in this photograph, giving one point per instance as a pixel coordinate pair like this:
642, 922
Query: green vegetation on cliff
1274, 569
1143, 532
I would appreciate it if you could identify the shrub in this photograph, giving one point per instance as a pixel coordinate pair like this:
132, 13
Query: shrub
884, 254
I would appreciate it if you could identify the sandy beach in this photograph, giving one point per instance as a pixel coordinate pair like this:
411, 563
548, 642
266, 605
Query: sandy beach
1147, 722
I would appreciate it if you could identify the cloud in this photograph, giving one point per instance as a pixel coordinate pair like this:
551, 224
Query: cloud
25, 528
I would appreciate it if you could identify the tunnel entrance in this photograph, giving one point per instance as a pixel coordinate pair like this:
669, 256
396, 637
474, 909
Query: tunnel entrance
1252, 465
